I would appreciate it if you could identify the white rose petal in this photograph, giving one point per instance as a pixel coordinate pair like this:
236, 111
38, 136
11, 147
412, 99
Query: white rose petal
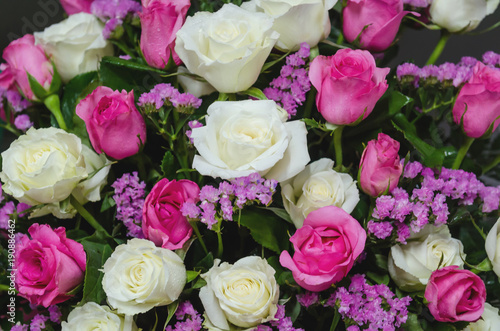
489, 321
91, 317
492, 247
458, 15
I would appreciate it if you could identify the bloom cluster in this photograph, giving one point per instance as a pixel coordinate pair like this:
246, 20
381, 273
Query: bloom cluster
8, 208
374, 306
129, 198
162, 94
228, 197
114, 12
427, 202
281, 322
290, 88
188, 318
17, 103
39, 320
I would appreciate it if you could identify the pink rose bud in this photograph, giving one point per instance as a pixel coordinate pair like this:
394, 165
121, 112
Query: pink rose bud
114, 124
455, 294
478, 104
349, 85
376, 20
76, 6
326, 247
380, 167
162, 220
166, 16
7, 80
49, 265
22, 55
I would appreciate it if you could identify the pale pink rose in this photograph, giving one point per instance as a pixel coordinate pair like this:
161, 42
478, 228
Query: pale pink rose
380, 166
162, 220
114, 124
48, 265
349, 85
166, 16
478, 102
326, 247
376, 20
455, 294
76, 6
22, 55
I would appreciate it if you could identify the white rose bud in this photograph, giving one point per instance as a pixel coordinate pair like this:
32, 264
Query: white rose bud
489, 321
318, 185
228, 48
244, 294
139, 276
411, 265
91, 317
296, 21
492, 247
76, 45
244, 137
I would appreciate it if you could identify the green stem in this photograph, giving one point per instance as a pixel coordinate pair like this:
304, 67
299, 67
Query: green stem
462, 152
311, 96
9, 127
493, 164
445, 35
87, 216
220, 247
53, 103
198, 235
337, 142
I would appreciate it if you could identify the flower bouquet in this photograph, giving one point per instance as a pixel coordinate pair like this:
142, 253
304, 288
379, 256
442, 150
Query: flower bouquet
257, 165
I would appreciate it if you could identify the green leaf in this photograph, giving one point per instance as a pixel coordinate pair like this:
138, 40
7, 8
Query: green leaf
167, 166
191, 275
397, 100
127, 64
280, 212
74, 91
266, 229
412, 323
255, 92
172, 308
36, 88
108, 202
55, 85
379, 279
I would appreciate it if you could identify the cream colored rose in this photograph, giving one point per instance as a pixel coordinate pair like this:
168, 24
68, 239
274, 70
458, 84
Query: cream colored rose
244, 294
243, 137
318, 185
91, 317
489, 321
296, 21
139, 276
198, 88
228, 48
76, 45
411, 265
43, 166
492, 247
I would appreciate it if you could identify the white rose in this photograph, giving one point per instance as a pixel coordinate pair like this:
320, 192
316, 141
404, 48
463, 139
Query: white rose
243, 137
43, 166
139, 276
91, 317
244, 294
458, 15
191, 85
76, 45
411, 265
318, 185
492, 247
228, 48
296, 21
489, 321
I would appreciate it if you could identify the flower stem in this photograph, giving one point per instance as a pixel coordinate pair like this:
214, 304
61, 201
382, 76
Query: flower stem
198, 235
337, 142
445, 35
462, 152
53, 103
493, 164
87, 216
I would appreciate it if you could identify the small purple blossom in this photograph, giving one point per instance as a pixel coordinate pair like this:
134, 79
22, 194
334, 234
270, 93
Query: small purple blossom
22, 122
110, 26
165, 93
19, 327
129, 198
308, 299
381, 230
188, 319
55, 314
108, 9
282, 322
491, 58
38, 322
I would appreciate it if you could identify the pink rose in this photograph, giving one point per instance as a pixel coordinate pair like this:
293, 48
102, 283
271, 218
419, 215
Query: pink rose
349, 85
49, 265
162, 220
478, 103
114, 124
326, 247
7, 80
455, 295
380, 167
76, 6
22, 55
376, 20
167, 16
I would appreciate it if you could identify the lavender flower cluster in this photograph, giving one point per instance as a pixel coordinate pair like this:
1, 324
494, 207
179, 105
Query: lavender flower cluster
17, 103
456, 74
165, 93
129, 198
290, 88
39, 320
374, 306
228, 197
114, 12
280, 321
188, 319
428, 201
7, 208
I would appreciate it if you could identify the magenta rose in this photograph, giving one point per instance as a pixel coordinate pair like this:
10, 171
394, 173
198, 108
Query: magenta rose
326, 247
162, 220
114, 124
455, 294
376, 20
380, 166
7, 80
49, 265
167, 16
22, 56
349, 85
76, 6
478, 102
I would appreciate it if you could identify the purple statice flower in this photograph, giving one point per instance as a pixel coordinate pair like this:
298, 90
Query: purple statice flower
165, 93
491, 198
38, 322
55, 314
421, 213
440, 209
282, 322
462, 76
381, 230
468, 61
412, 169
190, 209
491, 58
125, 57
209, 193
447, 71
308, 299
383, 206
188, 319
208, 214
22, 122
19, 327
5, 211
110, 26
129, 198
108, 9
408, 72
192, 125
429, 71
15, 99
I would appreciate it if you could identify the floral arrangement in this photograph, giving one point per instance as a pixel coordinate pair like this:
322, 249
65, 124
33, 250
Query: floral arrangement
256, 165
